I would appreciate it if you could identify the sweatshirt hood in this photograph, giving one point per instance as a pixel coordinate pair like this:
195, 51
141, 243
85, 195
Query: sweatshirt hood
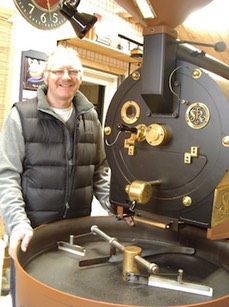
80, 101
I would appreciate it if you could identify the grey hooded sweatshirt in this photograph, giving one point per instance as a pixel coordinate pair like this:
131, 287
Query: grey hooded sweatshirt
47, 170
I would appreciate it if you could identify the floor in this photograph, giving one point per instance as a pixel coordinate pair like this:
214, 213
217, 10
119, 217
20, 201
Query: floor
5, 299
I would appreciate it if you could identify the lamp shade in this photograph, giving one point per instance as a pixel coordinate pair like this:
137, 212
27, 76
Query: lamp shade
81, 22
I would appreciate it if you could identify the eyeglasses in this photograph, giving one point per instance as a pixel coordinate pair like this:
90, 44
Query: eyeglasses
61, 72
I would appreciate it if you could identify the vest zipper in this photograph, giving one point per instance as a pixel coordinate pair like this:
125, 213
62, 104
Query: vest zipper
66, 210
68, 170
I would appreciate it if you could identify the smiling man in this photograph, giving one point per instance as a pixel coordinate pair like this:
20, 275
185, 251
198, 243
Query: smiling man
63, 75
52, 159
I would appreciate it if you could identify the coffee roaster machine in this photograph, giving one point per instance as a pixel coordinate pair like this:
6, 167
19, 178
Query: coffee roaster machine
167, 142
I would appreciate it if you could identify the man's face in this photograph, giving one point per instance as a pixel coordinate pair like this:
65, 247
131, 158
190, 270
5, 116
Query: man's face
63, 79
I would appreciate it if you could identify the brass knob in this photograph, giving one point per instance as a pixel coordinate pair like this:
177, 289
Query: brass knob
187, 201
139, 191
157, 135
129, 264
107, 130
225, 141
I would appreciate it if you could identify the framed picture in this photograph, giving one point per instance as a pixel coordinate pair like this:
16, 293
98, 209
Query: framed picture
32, 69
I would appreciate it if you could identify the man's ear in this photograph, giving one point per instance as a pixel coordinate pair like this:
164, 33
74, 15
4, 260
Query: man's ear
45, 77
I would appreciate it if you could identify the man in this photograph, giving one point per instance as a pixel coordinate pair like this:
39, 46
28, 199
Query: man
52, 159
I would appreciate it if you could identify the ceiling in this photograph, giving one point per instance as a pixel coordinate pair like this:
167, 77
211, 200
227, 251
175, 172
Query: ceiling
208, 37
172, 13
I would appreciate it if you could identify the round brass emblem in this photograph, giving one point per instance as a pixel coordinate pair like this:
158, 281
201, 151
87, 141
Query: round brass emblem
197, 115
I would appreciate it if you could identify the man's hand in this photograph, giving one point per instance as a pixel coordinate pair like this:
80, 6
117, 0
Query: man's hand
22, 236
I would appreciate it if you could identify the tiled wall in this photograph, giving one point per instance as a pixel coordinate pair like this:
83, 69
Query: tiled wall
99, 58
113, 24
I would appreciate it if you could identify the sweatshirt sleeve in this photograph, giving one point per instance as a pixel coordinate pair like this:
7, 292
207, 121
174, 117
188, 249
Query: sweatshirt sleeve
102, 173
12, 151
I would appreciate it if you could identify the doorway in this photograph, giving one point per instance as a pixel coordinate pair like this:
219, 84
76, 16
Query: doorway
95, 94
99, 87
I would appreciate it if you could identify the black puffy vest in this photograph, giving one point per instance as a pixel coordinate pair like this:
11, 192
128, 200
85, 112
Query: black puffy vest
56, 185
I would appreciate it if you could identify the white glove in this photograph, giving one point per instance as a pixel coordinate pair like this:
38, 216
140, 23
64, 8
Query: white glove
22, 236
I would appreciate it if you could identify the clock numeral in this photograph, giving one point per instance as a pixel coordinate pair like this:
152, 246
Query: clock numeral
43, 18
55, 18
32, 8
43, 14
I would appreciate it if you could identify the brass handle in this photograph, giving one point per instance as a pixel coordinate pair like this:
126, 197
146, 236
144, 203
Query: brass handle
140, 191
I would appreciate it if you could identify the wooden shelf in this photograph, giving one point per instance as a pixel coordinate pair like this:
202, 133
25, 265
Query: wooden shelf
102, 49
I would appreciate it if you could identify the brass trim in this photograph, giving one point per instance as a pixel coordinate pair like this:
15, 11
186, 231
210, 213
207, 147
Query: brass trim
196, 73
139, 136
194, 153
197, 115
140, 191
225, 141
187, 201
107, 130
152, 223
157, 135
129, 263
136, 75
220, 209
130, 112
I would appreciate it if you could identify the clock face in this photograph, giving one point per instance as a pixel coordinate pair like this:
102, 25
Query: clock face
43, 14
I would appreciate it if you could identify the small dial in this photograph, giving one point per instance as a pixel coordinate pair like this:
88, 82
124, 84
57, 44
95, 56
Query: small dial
43, 14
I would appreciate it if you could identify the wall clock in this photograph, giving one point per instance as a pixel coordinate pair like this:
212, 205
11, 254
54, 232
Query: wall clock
43, 14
